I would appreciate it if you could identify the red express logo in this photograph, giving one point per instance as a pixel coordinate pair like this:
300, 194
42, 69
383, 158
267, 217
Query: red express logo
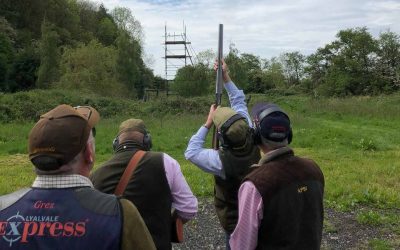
20, 228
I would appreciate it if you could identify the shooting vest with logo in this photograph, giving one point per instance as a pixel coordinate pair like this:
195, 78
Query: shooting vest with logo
292, 191
148, 190
70, 218
236, 165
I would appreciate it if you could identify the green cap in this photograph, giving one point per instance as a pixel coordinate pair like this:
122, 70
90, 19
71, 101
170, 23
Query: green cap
237, 132
221, 115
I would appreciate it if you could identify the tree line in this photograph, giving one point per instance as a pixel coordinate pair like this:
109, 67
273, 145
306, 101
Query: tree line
79, 44
71, 44
355, 63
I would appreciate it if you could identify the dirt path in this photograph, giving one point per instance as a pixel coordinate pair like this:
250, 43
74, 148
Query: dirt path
341, 231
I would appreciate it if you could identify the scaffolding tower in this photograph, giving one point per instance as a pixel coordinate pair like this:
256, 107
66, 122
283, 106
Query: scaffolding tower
178, 53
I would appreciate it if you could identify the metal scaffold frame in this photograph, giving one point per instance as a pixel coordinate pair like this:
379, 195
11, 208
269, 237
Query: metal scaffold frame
178, 53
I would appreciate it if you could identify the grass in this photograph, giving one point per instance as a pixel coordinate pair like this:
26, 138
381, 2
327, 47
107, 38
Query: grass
377, 244
357, 149
329, 227
354, 140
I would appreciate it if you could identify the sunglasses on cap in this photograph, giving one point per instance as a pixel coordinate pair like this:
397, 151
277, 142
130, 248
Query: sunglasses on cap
87, 112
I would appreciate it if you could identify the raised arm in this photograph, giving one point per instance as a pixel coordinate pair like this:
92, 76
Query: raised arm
236, 96
206, 159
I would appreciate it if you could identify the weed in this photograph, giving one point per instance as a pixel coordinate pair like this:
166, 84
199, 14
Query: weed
377, 244
329, 227
367, 145
370, 218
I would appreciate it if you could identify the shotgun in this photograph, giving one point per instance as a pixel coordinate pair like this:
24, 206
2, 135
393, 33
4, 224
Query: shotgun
218, 84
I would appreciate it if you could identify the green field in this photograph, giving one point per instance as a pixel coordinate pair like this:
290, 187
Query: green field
355, 141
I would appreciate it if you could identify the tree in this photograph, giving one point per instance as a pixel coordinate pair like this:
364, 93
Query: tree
91, 67
159, 83
107, 31
250, 61
23, 74
273, 76
237, 70
6, 59
192, 80
206, 57
293, 66
347, 65
388, 65
48, 72
129, 64
353, 66
126, 22
7, 30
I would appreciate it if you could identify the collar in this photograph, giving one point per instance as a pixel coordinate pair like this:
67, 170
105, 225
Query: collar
61, 181
129, 146
271, 155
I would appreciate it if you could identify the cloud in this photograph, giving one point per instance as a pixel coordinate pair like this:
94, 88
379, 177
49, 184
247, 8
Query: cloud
264, 28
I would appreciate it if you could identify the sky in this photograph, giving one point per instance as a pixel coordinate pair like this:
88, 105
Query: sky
266, 28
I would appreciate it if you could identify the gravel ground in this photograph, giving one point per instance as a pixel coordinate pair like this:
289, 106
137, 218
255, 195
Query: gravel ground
204, 232
341, 231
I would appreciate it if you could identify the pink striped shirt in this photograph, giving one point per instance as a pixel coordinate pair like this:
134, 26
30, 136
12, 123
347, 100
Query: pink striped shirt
250, 215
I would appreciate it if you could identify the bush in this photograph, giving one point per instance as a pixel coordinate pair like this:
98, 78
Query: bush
91, 68
192, 81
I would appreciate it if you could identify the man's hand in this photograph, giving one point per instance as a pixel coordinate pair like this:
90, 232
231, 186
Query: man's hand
209, 121
225, 74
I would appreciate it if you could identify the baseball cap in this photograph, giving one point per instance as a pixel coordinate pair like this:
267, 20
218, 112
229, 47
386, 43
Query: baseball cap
60, 135
236, 133
273, 122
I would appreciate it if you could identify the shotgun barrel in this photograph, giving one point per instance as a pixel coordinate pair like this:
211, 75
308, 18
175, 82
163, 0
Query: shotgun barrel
218, 82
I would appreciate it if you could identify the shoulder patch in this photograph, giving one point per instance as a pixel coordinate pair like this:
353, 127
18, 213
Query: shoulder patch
9, 199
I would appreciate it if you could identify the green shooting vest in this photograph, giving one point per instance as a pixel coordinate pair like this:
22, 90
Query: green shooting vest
236, 164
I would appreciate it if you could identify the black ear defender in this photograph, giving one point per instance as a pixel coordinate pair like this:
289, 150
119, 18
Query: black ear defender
147, 142
221, 133
115, 143
257, 121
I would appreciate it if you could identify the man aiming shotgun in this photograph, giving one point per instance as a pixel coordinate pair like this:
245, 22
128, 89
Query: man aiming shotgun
230, 161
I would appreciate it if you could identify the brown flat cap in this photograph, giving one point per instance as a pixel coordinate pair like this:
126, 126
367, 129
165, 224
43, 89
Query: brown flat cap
61, 134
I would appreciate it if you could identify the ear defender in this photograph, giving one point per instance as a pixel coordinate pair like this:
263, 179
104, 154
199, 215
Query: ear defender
115, 143
257, 124
147, 142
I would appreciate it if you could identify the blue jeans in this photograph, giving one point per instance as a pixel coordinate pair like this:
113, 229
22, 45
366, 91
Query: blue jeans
227, 237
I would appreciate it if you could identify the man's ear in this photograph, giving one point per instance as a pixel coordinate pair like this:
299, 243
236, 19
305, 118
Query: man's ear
89, 153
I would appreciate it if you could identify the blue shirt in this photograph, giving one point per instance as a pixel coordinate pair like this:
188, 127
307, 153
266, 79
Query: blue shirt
208, 159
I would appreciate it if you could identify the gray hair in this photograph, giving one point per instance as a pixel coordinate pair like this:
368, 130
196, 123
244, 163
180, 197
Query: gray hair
273, 144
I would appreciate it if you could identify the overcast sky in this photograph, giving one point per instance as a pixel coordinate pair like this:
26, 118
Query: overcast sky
265, 28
